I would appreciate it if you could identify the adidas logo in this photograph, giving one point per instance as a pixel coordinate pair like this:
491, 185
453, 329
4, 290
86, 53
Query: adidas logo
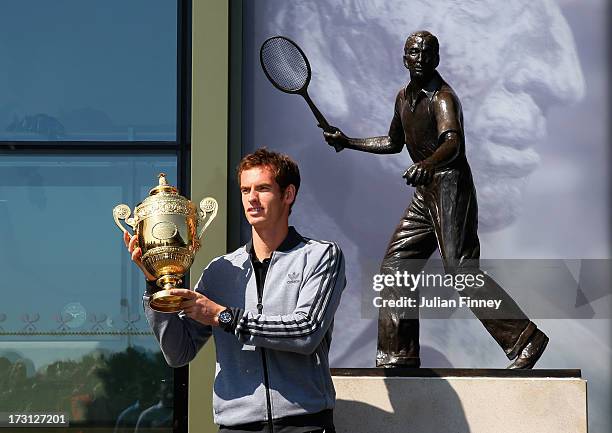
294, 277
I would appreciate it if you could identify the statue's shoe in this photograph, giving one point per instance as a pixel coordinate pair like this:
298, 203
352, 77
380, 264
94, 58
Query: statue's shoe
532, 351
396, 362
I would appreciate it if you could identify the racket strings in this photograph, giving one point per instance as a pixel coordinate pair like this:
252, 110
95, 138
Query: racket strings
285, 64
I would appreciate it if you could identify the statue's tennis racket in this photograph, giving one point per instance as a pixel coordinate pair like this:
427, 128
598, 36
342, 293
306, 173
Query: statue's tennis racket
288, 69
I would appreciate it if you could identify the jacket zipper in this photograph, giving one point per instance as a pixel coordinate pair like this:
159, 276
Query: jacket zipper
267, 385
263, 354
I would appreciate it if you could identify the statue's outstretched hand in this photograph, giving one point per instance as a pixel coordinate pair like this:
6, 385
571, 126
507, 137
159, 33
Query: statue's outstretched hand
336, 138
420, 173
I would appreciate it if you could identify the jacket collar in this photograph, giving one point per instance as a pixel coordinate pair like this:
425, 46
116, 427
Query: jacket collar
292, 240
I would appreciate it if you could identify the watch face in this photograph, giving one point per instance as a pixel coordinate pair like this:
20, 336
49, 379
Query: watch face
74, 314
225, 317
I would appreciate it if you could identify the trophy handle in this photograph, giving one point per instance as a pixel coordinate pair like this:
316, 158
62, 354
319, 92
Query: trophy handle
122, 212
209, 208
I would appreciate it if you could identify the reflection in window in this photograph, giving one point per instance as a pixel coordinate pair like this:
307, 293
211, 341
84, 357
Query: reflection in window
124, 389
101, 70
74, 336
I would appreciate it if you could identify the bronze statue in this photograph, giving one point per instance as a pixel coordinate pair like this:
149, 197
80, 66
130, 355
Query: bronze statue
443, 213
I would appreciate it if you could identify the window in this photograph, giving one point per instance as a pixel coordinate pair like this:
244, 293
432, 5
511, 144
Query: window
88, 70
95, 106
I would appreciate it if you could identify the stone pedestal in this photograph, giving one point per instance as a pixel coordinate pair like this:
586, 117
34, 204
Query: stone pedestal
459, 401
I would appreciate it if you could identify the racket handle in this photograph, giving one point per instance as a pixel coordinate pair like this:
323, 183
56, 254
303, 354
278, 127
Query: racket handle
323, 123
329, 129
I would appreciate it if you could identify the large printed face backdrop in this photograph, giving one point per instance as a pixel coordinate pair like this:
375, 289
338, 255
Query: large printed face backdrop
531, 77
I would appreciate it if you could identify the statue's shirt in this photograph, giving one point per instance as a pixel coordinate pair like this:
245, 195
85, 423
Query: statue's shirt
423, 115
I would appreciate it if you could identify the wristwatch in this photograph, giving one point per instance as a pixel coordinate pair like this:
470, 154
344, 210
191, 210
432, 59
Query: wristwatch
226, 317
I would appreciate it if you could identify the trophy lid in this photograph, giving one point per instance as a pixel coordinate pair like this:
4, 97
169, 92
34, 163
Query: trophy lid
163, 186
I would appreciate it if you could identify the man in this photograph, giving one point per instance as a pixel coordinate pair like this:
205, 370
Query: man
270, 307
443, 214
161, 414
